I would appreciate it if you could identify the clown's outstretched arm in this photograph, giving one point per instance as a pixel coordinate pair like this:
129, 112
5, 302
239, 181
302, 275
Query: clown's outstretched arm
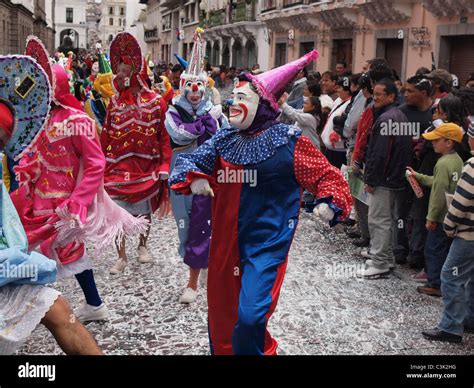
194, 167
324, 181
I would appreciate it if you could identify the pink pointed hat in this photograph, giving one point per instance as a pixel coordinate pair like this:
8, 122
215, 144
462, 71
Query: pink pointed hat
271, 84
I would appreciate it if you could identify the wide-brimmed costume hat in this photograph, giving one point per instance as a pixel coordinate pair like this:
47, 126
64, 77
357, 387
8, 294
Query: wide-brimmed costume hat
57, 75
126, 49
25, 89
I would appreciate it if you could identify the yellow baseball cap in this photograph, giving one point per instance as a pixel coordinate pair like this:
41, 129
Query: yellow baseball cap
447, 130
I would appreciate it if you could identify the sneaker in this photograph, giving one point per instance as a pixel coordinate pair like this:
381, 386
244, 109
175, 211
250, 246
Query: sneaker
371, 272
143, 255
203, 277
361, 243
369, 262
420, 277
428, 290
87, 313
189, 296
440, 335
118, 267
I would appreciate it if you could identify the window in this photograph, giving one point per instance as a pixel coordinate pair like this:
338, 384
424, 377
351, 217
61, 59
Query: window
69, 15
122, 11
111, 21
166, 22
120, 22
111, 10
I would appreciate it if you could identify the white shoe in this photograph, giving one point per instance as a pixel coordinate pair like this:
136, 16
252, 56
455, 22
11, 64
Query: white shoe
144, 256
87, 313
203, 277
370, 263
371, 272
118, 267
189, 296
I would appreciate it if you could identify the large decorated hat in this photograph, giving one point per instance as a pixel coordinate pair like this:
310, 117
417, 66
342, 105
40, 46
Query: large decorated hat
61, 90
25, 89
271, 84
125, 49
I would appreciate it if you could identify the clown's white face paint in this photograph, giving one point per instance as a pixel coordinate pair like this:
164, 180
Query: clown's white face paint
244, 107
193, 89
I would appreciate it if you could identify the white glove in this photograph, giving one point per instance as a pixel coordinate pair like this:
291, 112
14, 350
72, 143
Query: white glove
201, 186
164, 175
324, 212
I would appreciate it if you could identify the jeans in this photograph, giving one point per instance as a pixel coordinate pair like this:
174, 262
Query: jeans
436, 250
418, 213
457, 288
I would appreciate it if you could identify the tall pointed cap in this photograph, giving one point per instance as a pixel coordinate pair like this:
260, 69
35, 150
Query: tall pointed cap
183, 62
271, 84
195, 66
104, 65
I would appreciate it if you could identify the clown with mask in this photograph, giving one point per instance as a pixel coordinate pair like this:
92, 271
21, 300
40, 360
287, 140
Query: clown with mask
191, 120
255, 170
135, 143
61, 200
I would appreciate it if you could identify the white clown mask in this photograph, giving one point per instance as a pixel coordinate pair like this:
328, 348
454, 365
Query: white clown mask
193, 88
243, 109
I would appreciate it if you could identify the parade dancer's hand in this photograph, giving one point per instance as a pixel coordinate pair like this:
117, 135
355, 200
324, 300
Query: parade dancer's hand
201, 187
164, 175
324, 212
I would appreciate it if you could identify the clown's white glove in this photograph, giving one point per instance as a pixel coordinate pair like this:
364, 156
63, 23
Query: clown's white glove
324, 212
201, 186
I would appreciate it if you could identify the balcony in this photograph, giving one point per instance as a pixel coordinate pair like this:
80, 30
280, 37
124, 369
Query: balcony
170, 4
217, 18
244, 12
151, 35
291, 3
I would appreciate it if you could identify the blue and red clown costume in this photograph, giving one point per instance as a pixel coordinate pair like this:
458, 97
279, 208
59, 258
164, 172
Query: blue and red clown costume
253, 222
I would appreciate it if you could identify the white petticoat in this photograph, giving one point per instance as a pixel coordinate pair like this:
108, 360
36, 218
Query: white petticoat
22, 307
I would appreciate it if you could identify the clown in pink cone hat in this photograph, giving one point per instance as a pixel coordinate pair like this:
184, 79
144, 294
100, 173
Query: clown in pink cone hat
255, 171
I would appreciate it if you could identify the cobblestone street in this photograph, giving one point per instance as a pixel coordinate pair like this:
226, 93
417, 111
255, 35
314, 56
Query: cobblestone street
319, 312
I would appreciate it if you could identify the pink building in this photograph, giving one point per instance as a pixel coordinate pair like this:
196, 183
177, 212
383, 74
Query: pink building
405, 32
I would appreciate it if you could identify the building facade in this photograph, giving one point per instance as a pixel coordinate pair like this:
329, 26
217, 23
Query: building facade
112, 21
405, 32
234, 34
93, 15
70, 22
21, 18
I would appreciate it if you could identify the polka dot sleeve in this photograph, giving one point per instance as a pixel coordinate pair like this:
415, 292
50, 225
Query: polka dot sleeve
324, 181
199, 163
